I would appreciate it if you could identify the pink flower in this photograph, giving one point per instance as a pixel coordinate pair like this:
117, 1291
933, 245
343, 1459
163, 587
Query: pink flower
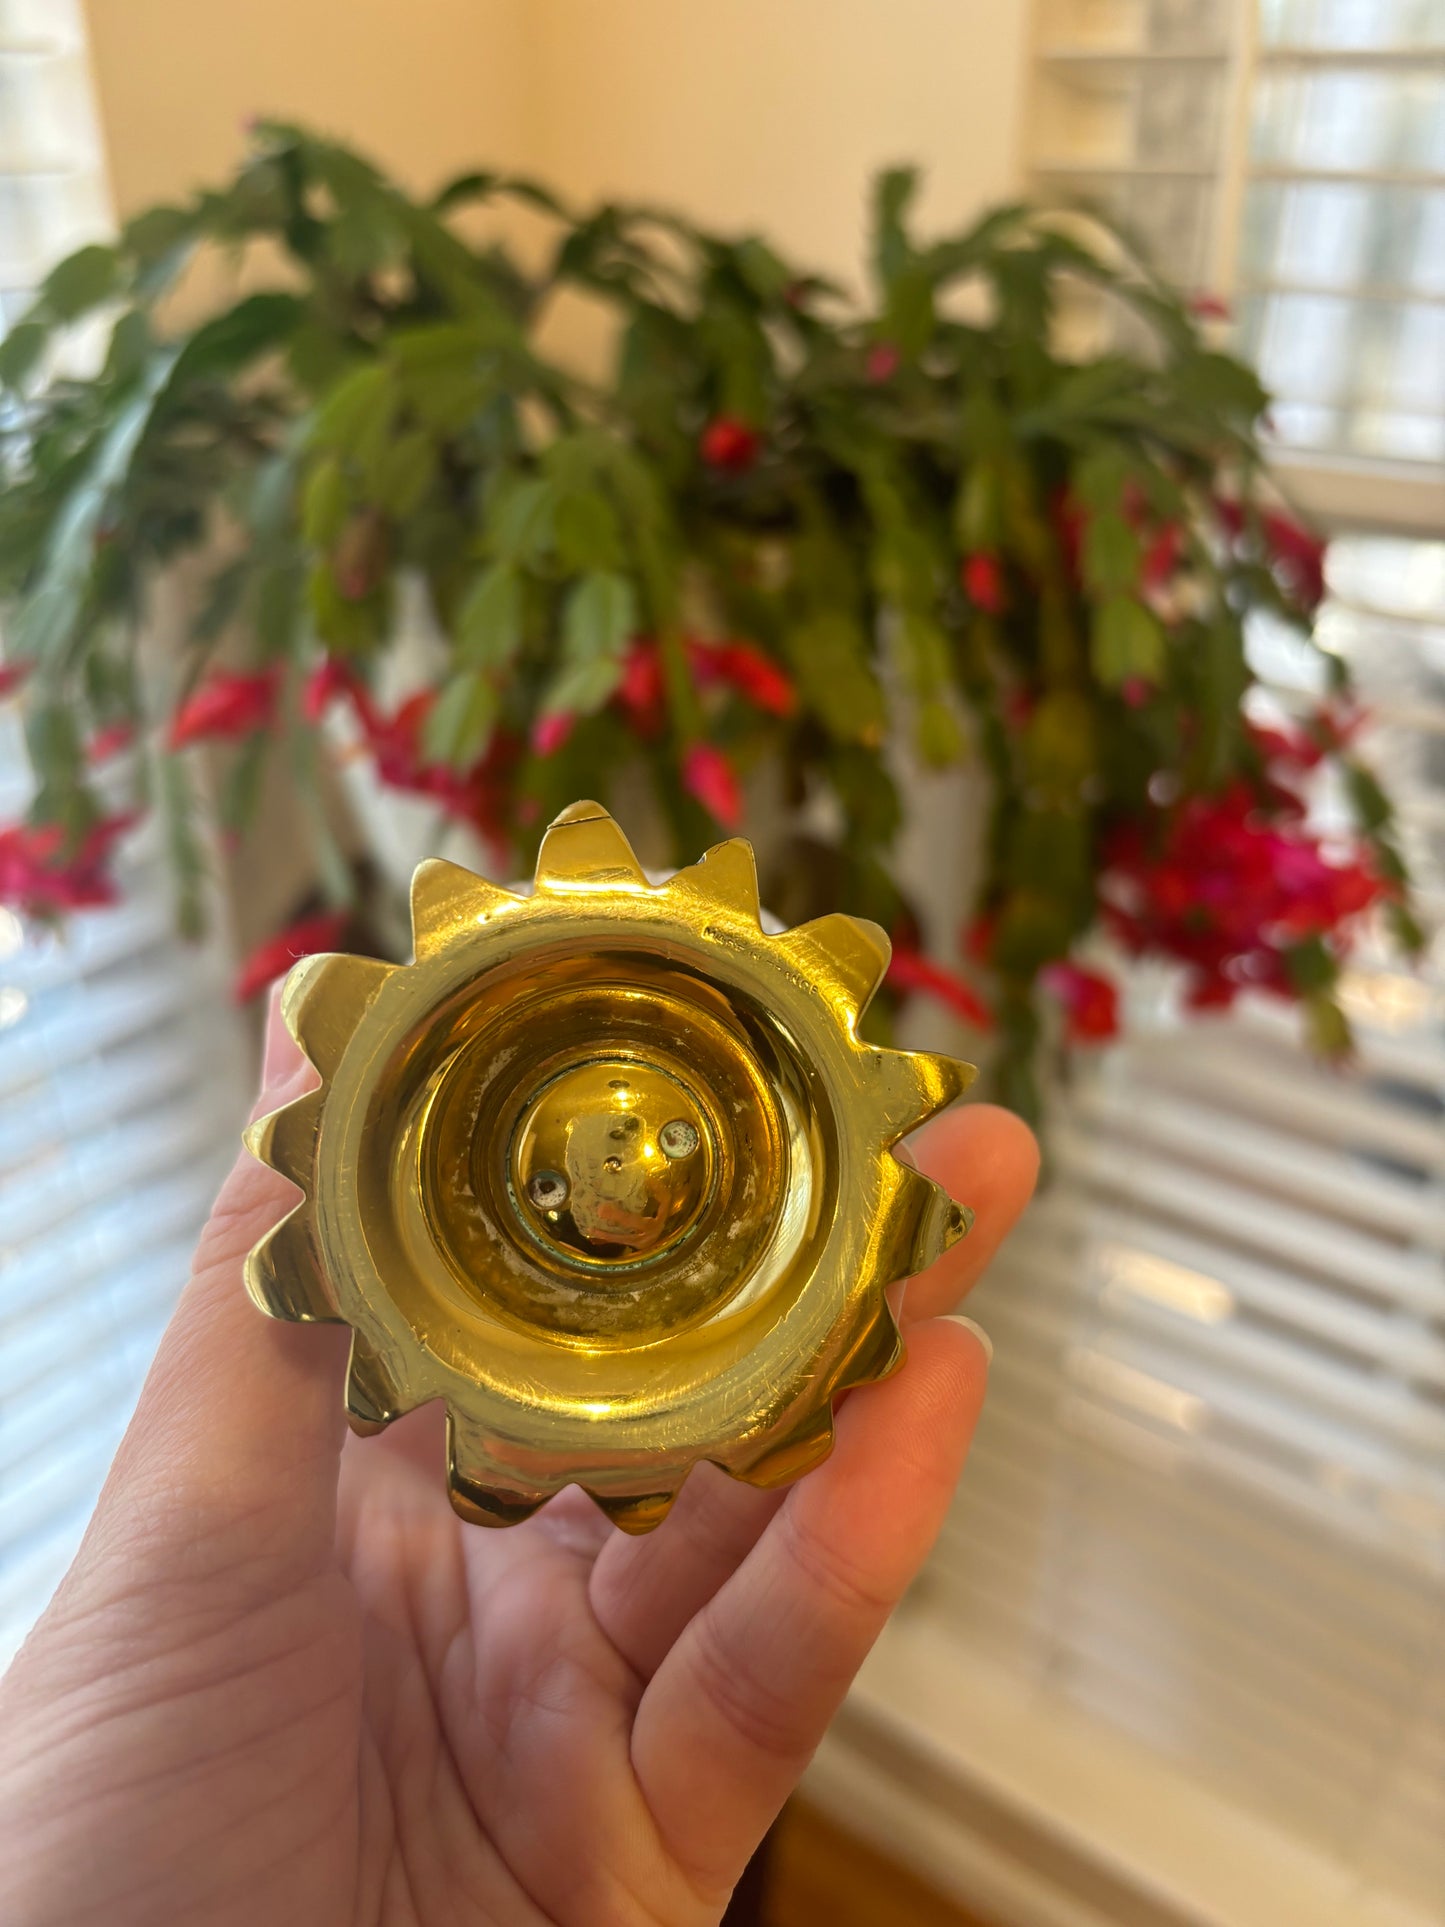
1209, 307
709, 776
225, 708
307, 937
550, 732
729, 444
982, 577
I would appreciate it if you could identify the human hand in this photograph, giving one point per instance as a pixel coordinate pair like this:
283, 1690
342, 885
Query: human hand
283, 1682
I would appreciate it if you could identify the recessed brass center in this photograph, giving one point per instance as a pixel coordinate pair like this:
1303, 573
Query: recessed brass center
612, 1162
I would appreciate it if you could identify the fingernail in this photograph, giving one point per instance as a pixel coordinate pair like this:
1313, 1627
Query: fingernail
957, 1318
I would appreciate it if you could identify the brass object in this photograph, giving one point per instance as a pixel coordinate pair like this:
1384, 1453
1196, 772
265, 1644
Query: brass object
608, 1170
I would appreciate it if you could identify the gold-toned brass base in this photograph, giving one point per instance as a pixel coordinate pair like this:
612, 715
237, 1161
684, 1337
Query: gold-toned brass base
608, 1170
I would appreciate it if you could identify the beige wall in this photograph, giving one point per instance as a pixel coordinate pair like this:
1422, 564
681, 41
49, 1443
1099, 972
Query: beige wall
773, 113
427, 86
765, 114
750, 113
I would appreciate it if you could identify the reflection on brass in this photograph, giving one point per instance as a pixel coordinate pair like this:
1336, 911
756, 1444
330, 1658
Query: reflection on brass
609, 1171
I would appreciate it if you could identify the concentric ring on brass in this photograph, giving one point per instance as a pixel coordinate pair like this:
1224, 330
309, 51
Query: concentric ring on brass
462, 1111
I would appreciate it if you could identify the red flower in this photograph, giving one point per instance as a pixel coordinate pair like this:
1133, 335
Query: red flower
1211, 991
329, 682
883, 362
710, 777
1297, 553
1209, 307
910, 971
1334, 726
1299, 556
1136, 691
1070, 521
641, 690
1233, 882
1090, 1001
225, 708
1162, 556
480, 796
982, 577
550, 732
1230, 514
308, 937
978, 935
745, 668
12, 674
109, 742
39, 878
730, 445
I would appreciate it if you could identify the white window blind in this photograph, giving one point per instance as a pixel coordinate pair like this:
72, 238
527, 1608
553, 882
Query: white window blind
1181, 1654
121, 1063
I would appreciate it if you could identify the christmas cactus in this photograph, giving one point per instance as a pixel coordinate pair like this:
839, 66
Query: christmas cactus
786, 530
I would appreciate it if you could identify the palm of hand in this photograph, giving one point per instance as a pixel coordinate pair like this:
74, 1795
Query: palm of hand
284, 1682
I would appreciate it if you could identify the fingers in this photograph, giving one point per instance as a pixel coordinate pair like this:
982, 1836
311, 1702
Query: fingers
644, 1591
232, 1454
737, 1707
984, 1157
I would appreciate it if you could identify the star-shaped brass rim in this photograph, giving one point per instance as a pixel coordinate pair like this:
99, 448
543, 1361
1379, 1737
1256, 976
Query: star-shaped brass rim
608, 1169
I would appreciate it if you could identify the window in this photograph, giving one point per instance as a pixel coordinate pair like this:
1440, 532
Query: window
1180, 1653
121, 1066
52, 182
1341, 260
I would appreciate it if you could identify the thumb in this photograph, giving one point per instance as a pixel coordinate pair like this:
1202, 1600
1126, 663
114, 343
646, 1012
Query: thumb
228, 1471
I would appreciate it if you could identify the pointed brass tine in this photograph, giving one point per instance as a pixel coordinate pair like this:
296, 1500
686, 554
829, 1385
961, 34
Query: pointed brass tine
846, 953
286, 1139
805, 1445
473, 1496
634, 1513
584, 850
938, 1221
726, 876
372, 1400
879, 1353
907, 1087
284, 1276
448, 901
324, 999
